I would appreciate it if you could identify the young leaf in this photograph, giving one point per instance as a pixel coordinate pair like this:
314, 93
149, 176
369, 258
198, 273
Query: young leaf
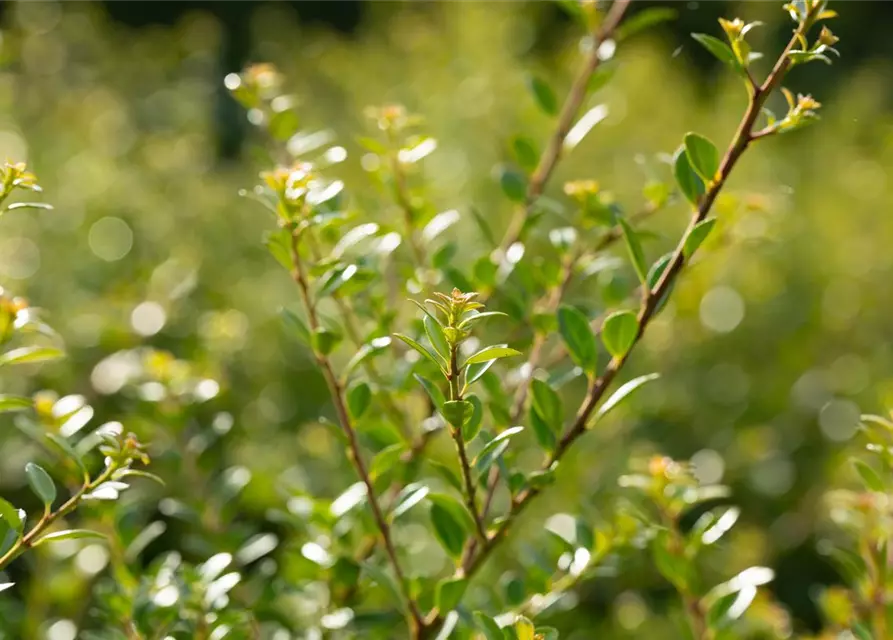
578, 338
14, 403
622, 393
450, 592
479, 316
524, 629
619, 332
870, 477
544, 95
697, 236
62, 444
702, 155
690, 184
436, 337
10, 515
493, 449
491, 353
474, 372
359, 397
24, 355
423, 350
451, 522
69, 534
718, 48
41, 483
637, 256
547, 404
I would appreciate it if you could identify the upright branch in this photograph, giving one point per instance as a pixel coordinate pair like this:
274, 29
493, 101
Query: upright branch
569, 111
706, 190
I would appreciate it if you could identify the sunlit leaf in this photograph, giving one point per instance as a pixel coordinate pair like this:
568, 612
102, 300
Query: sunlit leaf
619, 332
14, 403
25, 355
702, 155
69, 534
623, 393
491, 353
578, 337
697, 236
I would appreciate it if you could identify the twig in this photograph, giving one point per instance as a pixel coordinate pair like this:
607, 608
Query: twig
353, 452
741, 140
552, 154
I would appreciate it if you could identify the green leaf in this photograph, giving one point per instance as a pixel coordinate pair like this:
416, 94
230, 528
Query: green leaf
718, 48
450, 592
635, 249
277, 243
642, 20
514, 184
41, 483
69, 534
547, 404
410, 496
674, 568
697, 236
423, 350
491, 353
547, 633
284, 125
431, 389
488, 626
359, 397
619, 332
451, 522
473, 372
436, 337
10, 516
702, 155
472, 425
689, 182
525, 153
324, 341
861, 632
870, 477
493, 449
717, 613
542, 431
654, 275
14, 403
543, 95
623, 393
470, 320
456, 412
25, 355
574, 328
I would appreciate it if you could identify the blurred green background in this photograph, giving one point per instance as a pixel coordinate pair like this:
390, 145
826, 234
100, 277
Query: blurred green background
770, 348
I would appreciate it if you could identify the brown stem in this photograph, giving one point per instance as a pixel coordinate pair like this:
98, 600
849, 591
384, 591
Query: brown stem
353, 453
552, 154
651, 298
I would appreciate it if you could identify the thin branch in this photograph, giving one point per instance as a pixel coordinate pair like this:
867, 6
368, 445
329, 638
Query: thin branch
353, 453
552, 154
651, 298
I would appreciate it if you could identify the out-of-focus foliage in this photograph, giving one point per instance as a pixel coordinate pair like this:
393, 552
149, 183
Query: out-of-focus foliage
152, 270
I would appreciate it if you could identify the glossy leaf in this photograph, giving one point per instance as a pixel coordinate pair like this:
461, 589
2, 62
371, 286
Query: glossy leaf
456, 412
514, 184
690, 183
697, 236
623, 393
421, 349
473, 372
436, 337
493, 449
491, 353
27, 355
702, 155
431, 389
619, 332
410, 496
634, 246
472, 426
70, 534
578, 338
718, 48
41, 483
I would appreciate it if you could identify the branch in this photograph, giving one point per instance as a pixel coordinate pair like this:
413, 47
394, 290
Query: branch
353, 452
741, 140
552, 154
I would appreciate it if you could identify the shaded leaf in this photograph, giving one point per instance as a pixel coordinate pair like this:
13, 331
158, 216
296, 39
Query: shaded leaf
690, 184
431, 389
359, 396
578, 338
41, 483
451, 522
450, 592
702, 155
472, 426
634, 246
543, 95
718, 48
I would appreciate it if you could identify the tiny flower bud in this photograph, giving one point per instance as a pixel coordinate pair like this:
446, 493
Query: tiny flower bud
732, 27
827, 38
